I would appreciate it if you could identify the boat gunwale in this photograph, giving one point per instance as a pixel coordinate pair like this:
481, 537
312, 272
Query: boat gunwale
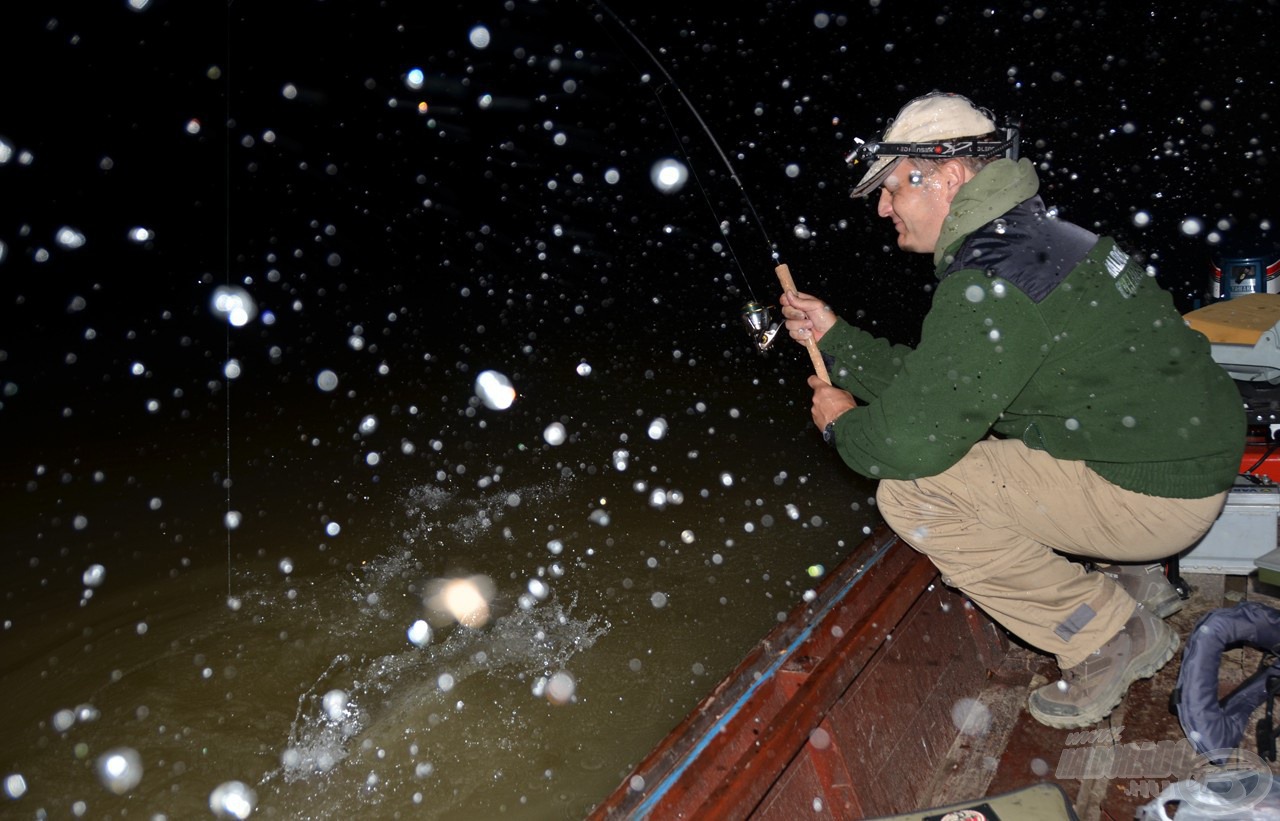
681, 749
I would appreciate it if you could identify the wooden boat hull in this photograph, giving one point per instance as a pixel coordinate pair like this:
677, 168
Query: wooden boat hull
846, 708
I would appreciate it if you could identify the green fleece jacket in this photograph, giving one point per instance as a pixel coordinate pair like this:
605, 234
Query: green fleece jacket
1041, 331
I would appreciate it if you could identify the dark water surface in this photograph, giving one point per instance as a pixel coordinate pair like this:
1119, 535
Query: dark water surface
647, 601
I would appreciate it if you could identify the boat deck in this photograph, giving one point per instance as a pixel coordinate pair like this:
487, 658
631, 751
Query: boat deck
1016, 751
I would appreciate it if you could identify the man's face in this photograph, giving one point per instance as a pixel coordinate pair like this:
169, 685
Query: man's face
917, 203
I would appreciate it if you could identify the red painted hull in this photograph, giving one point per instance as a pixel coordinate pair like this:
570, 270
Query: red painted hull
845, 708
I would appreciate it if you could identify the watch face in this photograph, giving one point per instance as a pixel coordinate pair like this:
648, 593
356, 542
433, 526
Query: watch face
829, 433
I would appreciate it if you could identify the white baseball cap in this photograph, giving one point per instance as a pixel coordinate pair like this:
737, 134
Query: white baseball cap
935, 116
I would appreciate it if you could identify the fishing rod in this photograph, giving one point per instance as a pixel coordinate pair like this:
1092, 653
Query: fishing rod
757, 317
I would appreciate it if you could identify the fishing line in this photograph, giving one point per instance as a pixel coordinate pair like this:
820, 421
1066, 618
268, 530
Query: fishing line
756, 317
706, 197
226, 215
733, 174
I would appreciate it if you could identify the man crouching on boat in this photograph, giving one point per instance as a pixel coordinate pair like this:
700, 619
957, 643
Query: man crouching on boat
1056, 404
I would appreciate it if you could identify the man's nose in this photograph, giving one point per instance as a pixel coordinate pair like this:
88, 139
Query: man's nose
884, 207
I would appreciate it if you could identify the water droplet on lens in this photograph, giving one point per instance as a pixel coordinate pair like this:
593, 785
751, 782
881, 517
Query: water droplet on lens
326, 380
420, 633
94, 575
233, 799
335, 704
15, 786
120, 769
495, 390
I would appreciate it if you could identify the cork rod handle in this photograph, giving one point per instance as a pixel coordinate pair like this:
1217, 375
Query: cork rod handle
811, 344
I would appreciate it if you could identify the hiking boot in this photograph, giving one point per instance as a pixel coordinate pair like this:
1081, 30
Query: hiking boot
1148, 586
1089, 691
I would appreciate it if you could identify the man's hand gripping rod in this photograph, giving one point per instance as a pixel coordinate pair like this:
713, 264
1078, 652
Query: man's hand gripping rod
810, 344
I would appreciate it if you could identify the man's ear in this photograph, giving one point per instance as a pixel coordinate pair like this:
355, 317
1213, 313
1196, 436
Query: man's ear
953, 174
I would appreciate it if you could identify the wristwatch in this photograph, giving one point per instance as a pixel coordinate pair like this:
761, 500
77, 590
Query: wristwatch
829, 433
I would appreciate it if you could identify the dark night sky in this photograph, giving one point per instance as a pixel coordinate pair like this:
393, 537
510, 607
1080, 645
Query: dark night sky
468, 222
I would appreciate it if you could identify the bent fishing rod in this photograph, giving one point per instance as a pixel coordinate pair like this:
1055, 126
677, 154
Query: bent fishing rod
757, 317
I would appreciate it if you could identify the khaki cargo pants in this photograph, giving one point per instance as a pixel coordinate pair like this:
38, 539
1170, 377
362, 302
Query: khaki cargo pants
996, 525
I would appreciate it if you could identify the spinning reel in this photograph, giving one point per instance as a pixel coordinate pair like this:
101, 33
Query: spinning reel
760, 323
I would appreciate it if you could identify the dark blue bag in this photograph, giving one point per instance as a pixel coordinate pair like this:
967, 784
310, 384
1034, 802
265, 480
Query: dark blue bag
1218, 725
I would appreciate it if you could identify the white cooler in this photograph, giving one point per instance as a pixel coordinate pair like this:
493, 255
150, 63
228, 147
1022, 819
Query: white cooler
1244, 532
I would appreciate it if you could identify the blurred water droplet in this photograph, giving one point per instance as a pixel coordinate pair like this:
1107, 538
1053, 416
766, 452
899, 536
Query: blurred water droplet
120, 769
465, 600
63, 720
94, 575
554, 434
335, 703
539, 589
971, 717
420, 633
15, 786
479, 37
657, 428
495, 390
658, 600
326, 380
234, 304
668, 175
621, 459
560, 688
69, 238
233, 799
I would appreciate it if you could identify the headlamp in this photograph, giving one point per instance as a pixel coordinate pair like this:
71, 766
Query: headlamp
1006, 143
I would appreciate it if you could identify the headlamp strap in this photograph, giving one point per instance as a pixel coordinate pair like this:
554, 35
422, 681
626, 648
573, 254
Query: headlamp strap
942, 150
